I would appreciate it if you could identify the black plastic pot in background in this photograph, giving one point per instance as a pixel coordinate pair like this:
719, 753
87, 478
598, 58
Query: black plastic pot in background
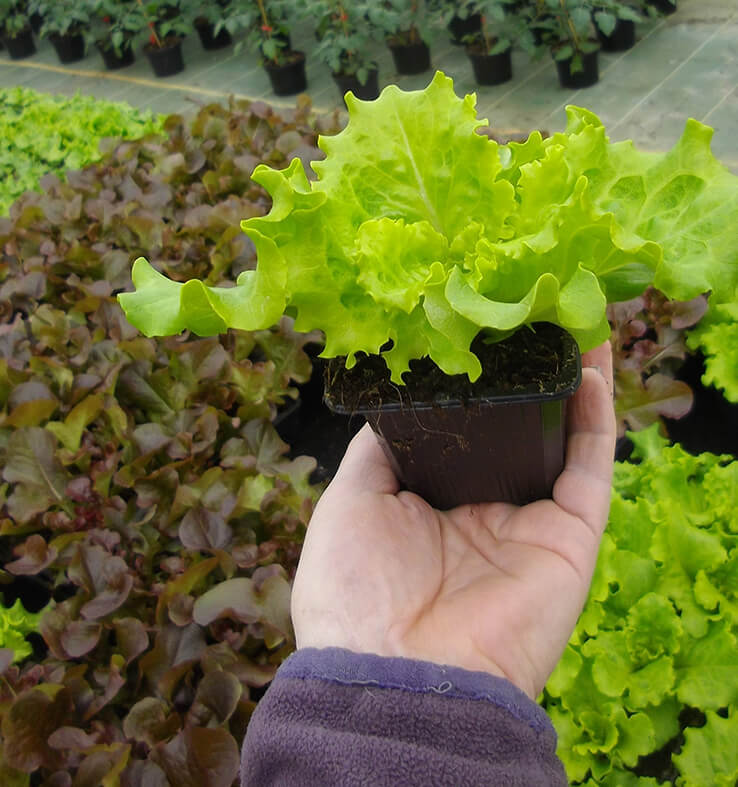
113, 60
622, 38
665, 7
367, 92
208, 38
36, 22
289, 78
712, 423
69, 48
505, 448
411, 58
21, 45
588, 75
491, 69
167, 60
458, 27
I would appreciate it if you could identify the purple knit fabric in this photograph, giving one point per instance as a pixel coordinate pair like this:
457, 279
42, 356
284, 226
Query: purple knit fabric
334, 717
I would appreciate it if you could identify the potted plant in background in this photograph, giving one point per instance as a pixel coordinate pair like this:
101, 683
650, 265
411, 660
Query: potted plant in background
67, 25
206, 16
490, 48
15, 29
463, 19
662, 7
344, 45
566, 29
166, 28
120, 23
407, 25
423, 241
267, 34
615, 23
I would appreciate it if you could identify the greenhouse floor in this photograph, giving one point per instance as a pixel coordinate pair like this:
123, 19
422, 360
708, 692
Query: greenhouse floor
683, 65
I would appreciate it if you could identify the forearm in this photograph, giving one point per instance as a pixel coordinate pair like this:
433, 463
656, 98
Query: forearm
336, 717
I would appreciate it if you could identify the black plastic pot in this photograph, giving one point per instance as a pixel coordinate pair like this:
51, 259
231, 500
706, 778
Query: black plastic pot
411, 58
458, 27
112, 59
491, 69
488, 447
167, 60
21, 45
712, 423
586, 77
70, 47
36, 21
622, 38
208, 38
663, 6
367, 92
290, 78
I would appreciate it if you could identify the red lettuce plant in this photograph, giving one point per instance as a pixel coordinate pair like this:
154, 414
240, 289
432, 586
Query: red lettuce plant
648, 344
143, 483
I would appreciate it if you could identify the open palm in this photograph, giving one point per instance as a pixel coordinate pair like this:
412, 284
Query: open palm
491, 587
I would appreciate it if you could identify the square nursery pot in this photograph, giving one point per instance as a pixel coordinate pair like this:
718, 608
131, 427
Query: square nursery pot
288, 78
500, 439
166, 60
410, 59
70, 47
366, 92
21, 45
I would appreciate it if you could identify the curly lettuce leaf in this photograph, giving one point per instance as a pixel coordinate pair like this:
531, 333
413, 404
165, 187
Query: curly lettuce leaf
716, 336
15, 623
709, 754
659, 632
420, 233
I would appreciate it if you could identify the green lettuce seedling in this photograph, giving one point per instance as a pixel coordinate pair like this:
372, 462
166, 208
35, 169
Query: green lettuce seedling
421, 232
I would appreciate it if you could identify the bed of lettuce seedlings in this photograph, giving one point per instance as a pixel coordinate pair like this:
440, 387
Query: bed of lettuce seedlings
40, 133
147, 494
143, 482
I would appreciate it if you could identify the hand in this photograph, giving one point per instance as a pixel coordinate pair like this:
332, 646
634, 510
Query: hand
492, 586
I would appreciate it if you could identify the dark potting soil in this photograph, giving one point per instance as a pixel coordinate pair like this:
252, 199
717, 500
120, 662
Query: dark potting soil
542, 360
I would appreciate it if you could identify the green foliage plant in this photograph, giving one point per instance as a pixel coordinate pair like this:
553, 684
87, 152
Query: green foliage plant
716, 336
143, 483
565, 28
42, 134
423, 233
15, 624
265, 24
121, 23
14, 18
502, 26
607, 13
647, 689
164, 22
345, 38
63, 17
405, 22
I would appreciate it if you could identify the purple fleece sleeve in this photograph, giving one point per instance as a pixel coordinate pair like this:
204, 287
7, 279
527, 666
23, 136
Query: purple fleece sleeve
334, 717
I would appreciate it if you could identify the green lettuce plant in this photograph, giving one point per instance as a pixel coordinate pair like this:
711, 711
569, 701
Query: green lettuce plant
15, 623
647, 688
717, 337
41, 134
423, 233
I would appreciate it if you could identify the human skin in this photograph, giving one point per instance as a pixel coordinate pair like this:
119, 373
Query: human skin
491, 586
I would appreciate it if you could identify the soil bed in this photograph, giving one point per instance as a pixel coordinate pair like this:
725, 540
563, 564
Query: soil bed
528, 362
